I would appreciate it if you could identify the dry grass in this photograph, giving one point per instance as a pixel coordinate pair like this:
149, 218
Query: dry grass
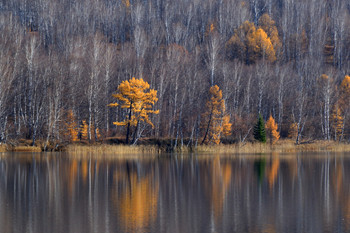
113, 149
3, 148
283, 146
7, 148
20, 145
26, 149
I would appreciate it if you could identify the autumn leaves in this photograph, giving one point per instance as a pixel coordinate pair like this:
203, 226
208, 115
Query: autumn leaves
250, 44
138, 99
341, 108
135, 96
269, 129
215, 122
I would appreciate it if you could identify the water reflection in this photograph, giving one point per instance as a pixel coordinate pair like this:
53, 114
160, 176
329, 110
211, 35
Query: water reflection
97, 193
272, 170
216, 178
135, 199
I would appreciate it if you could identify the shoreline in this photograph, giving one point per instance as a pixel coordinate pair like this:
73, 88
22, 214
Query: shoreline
282, 146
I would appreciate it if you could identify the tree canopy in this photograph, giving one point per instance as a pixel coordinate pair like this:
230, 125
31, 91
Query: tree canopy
136, 96
259, 130
216, 122
271, 128
250, 44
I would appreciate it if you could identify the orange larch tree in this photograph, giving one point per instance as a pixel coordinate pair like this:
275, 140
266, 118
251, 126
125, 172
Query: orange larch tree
138, 99
250, 44
84, 131
71, 127
341, 108
216, 122
337, 120
345, 88
268, 25
261, 44
271, 129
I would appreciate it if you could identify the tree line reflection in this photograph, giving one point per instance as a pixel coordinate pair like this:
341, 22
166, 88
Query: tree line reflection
87, 193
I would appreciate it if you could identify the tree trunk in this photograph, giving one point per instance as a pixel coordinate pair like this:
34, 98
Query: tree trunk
135, 133
207, 130
128, 127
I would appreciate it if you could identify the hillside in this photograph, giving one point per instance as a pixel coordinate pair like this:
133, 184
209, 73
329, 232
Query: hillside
61, 61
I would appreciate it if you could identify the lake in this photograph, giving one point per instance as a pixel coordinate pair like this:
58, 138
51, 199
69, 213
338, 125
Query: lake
58, 192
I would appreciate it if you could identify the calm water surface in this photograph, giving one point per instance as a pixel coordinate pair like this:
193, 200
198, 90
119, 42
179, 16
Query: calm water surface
97, 193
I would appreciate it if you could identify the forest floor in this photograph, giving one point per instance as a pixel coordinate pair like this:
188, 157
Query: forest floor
153, 146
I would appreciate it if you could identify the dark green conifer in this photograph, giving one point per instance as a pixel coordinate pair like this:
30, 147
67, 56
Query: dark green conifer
259, 130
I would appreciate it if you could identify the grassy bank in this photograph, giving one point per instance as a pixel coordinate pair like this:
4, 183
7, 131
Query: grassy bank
22, 145
3, 148
282, 146
10, 148
113, 149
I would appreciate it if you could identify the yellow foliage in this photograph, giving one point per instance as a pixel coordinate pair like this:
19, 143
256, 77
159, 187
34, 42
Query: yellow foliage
271, 129
215, 120
268, 25
341, 107
216, 103
324, 77
337, 120
345, 87
237, 45
126, 3
71, 128
262, 45
226, 125
344, 93
98, 135
210, 29
133, 96
84, 130
250, 44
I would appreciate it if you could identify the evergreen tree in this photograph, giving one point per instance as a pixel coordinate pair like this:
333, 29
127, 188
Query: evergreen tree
259, 130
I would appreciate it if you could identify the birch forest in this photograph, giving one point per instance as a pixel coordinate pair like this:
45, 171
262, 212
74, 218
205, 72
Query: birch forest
61, 62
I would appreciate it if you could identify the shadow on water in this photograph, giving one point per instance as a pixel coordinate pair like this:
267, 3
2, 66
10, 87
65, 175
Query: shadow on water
259, 167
